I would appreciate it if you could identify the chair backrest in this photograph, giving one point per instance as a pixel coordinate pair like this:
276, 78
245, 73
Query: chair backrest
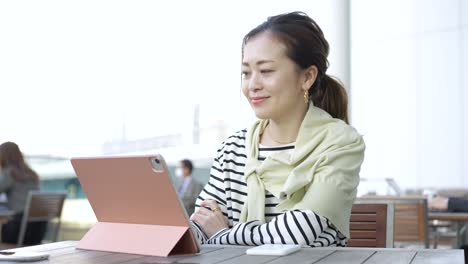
371, 225
411, 217
41, 206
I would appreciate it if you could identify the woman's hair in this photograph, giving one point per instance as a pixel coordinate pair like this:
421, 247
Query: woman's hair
12, 159
307, 46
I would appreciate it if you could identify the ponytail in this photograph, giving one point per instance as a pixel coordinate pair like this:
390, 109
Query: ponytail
329, 94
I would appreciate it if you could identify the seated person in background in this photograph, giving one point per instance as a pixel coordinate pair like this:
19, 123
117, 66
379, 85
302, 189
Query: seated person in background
451, 204
292, 177
16, 180
188, 188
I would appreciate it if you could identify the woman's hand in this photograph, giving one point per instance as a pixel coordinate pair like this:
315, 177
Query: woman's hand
211, 221
439, 203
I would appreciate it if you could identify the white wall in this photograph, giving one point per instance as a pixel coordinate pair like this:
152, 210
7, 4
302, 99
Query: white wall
464, 87
409, 68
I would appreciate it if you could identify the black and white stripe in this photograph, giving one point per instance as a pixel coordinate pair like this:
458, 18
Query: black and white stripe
228, 188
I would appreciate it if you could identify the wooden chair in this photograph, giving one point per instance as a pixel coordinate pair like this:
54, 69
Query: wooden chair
411, 217
371, 225
40, 206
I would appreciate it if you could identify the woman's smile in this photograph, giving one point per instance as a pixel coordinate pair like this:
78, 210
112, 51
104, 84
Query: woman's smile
257, 100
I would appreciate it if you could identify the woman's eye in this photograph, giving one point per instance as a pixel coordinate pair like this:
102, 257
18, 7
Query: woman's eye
266, 71
245, 74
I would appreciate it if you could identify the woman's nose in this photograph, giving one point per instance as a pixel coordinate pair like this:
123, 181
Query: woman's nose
254, 83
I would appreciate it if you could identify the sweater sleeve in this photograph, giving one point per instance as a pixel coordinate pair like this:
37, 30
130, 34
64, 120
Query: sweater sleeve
457, 204
292, 227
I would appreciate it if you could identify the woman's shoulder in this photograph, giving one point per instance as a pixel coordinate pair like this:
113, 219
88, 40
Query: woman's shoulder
335, 130
234, 142
237, 137
341, 129
15, 175
333, 125
6, 172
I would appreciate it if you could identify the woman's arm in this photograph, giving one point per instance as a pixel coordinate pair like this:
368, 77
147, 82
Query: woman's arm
457, 204
452, 204
301, 227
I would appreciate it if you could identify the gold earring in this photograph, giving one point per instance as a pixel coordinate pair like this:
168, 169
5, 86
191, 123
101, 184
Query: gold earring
306, 97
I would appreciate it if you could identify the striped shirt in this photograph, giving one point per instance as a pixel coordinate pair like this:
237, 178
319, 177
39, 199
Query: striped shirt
228, 188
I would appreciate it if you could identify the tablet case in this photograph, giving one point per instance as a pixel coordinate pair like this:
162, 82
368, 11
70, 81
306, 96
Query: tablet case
136, 206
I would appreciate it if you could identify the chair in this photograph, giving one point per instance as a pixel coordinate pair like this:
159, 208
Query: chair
411, 218
41, 206
371, 225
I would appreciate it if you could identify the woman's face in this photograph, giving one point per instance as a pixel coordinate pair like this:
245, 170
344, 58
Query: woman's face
271, 82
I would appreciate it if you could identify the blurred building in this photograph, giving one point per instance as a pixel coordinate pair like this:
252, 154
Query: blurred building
198, 144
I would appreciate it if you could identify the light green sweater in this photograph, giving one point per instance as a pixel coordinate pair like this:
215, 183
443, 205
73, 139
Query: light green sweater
321, 174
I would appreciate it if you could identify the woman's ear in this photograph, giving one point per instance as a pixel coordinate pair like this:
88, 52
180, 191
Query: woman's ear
310, 75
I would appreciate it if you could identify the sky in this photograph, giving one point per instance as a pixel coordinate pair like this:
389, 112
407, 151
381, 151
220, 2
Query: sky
72, 72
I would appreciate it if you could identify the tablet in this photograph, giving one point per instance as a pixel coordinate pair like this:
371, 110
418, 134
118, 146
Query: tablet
137, 208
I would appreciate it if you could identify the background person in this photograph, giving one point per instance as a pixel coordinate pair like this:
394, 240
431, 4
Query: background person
188, 188
16, 180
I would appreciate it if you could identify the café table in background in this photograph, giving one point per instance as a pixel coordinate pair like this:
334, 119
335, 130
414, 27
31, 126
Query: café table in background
460, 220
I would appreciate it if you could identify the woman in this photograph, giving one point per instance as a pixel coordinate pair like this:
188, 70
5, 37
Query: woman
292, 177
16, 180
